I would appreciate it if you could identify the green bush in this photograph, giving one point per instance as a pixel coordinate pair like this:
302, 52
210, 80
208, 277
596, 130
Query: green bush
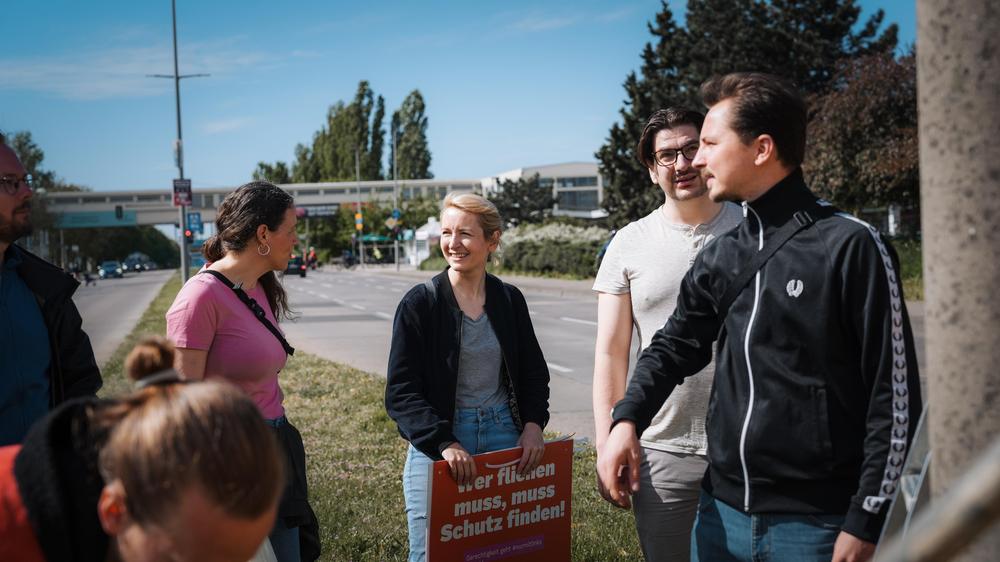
561, 257
911, 266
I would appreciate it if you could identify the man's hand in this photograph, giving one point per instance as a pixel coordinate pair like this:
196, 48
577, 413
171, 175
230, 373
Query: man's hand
849, 548
533, 447
463, 468
618, 465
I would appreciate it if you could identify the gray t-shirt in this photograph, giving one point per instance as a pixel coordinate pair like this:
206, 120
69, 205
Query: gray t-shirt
479, 364
648, 258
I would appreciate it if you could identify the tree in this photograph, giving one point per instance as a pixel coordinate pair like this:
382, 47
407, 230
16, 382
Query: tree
349, 128
803, 40
409, 123
277, 173
863, 135
523, 201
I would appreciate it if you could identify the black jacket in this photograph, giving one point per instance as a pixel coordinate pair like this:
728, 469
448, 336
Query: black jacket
816, 393
73, 370
59, 482
423, 361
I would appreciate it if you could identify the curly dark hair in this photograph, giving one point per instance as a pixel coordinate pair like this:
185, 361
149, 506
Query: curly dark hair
239, 216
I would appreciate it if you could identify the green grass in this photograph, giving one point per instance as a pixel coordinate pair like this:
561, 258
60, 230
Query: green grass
911, 268
152, 321
355, 459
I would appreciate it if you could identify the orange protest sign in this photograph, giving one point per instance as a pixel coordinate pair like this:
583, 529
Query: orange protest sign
502, 514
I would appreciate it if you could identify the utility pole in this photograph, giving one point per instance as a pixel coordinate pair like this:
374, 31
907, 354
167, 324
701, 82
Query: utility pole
179, 143
958, 78
395, 197
360, 232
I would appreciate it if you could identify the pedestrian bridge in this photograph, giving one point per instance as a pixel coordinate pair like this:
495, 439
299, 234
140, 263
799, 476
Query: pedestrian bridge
93, 209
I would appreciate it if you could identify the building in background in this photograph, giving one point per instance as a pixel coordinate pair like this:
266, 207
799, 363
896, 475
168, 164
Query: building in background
577, 187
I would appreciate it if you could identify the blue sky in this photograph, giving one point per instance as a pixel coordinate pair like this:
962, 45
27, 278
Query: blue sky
506, 84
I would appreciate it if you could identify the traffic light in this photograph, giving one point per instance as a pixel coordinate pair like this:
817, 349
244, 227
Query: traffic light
188, 236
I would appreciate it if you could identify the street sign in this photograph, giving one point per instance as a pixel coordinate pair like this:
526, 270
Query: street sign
182, 193
359, 221
194, 222
390, 222
396, 213
319, 210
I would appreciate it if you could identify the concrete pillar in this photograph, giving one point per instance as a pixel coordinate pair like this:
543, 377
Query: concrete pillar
958, 77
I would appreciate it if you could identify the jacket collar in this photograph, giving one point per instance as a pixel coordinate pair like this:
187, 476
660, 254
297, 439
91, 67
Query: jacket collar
43, 278
788, 196
493, 291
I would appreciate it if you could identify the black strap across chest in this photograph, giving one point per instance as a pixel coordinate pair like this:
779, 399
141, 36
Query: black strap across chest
254, 307
800, 221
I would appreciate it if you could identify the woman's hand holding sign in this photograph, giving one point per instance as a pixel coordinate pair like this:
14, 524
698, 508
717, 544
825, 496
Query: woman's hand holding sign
533, 448
463, 468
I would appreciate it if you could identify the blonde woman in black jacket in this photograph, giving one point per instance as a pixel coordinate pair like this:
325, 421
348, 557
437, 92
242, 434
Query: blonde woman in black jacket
466, 374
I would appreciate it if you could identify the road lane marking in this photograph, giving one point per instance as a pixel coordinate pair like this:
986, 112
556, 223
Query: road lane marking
559, 368
578, 321
339, 301
384, 315
358, 307
327, 285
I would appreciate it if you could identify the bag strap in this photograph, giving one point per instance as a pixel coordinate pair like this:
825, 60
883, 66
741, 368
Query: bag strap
254, 307
801, 220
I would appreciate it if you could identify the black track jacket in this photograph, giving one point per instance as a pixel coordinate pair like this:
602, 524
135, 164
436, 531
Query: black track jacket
423, 361
816, 393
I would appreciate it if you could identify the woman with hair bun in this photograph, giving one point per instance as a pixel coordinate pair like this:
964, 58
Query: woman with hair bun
172, 471
466, 374
225, 324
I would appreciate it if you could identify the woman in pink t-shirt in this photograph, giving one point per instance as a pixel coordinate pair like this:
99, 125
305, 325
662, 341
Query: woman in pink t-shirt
218, 335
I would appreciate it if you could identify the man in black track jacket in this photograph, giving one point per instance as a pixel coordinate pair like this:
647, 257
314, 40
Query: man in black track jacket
816, 393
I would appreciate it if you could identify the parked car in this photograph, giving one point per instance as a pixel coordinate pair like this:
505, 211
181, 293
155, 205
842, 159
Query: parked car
296, 266
110, 269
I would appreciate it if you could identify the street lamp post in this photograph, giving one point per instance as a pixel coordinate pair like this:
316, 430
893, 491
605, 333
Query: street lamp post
395, 198
176, 77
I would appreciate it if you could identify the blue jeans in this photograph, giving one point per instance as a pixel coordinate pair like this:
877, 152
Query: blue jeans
724, 533
479, 430
285, 542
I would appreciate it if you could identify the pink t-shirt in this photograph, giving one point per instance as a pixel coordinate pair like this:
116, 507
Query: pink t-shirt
209, 316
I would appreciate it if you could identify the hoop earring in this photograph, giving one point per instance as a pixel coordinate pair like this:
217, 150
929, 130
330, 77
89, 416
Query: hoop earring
265, 252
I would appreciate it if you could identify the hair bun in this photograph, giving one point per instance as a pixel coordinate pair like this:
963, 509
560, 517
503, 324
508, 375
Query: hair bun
152, 355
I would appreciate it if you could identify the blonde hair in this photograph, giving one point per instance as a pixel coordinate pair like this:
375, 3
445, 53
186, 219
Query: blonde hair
168, 437
489, 216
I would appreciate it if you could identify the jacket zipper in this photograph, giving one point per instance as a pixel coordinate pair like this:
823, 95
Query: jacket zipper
746, 354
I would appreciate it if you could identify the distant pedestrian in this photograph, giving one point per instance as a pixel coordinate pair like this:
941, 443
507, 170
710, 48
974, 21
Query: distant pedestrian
637, 285
89, 279
171, 471
466, 374
225, 323
45, 356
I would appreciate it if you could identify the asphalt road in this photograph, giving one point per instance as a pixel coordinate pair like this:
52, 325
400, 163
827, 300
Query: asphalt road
346, 316
111, 308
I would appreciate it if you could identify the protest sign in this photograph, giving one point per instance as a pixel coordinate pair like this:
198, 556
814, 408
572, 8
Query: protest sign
503, 515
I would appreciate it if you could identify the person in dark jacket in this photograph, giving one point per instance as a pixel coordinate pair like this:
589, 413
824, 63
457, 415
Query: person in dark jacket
466, 374
816, 393
100, 480
45, 356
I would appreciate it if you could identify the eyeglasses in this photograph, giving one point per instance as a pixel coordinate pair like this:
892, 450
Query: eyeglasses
11, 183
668, 156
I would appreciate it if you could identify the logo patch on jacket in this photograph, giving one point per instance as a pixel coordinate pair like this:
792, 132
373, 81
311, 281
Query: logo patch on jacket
794, 288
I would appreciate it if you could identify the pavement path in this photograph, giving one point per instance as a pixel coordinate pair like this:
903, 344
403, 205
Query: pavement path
111, 308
